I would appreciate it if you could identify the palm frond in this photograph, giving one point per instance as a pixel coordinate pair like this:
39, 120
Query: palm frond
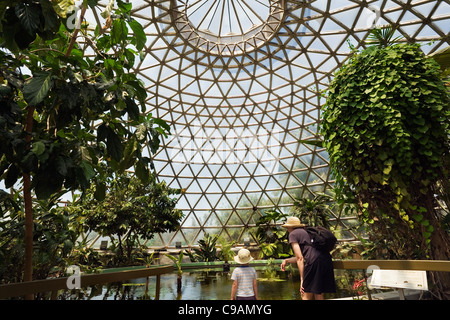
383, 37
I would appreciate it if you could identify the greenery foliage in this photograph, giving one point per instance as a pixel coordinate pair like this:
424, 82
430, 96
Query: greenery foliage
386, 129
383, 37
55, 235
313, 212
226, 253
177, 261
60, 232
66, 91
130, 211
66, 114
207, 251
272, 239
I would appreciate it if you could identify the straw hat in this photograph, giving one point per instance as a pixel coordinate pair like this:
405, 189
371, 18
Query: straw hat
243, 257
293, 222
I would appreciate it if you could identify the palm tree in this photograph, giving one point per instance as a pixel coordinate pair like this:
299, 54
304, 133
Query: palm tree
383, 37
148, 262
178, 262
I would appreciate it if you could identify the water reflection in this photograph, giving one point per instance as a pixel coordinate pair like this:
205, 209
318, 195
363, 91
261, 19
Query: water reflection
204, 285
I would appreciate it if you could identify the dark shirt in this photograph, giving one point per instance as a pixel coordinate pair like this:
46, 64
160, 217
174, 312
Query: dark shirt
302, 237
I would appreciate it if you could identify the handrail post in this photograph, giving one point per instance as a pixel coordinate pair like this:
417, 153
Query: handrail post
158, 286
54, 295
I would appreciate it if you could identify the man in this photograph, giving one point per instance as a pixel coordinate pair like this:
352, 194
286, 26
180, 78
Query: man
316, 267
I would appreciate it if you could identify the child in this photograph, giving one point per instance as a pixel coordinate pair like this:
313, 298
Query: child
244, 276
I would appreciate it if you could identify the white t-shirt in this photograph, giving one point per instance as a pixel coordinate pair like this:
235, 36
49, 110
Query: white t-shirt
244, 276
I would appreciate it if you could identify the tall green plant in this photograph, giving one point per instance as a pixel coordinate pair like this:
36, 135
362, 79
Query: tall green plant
272, 239
178, 261
130, 211
383, 37
207, 251
386, 129
226, 254
55, 234
51, 93
315, 211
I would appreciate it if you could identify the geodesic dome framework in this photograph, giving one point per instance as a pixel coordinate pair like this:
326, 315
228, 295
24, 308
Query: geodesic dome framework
240, 82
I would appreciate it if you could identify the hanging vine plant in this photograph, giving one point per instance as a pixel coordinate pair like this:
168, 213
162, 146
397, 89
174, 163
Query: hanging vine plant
386, 129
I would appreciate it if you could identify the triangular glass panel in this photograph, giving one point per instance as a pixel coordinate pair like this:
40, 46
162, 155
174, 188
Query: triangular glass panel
264, 200
313, 178
202, 216
244, 202
214, 199
295, 193
191, 236
224, 216
192, 198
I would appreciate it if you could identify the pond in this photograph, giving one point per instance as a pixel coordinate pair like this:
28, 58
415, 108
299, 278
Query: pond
212, 284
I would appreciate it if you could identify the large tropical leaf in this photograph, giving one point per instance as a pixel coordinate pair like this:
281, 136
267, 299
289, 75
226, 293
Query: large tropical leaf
317, 143
139, 34
29, 16
383, 36
35, 90
114, 145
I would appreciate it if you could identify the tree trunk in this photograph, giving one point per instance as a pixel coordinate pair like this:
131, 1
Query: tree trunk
122, 253
179, 284
28, 271
440, 247
440, 250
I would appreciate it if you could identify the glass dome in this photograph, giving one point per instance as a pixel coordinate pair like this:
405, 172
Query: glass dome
240, 82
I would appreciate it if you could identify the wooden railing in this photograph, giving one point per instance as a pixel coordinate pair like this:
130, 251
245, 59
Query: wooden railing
54, 285
425, 265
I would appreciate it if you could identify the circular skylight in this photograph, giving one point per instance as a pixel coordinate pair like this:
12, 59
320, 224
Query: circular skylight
223, 18
225, 27
241, 83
